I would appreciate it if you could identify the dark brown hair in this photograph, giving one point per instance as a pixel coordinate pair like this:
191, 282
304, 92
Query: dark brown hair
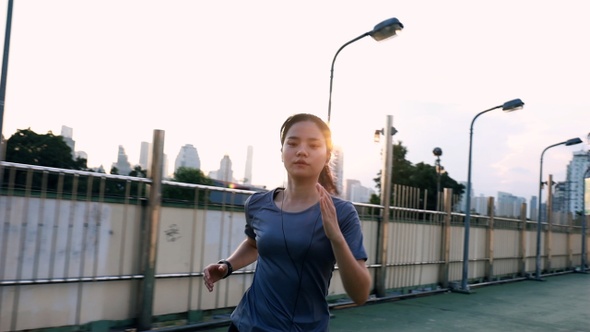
326, 178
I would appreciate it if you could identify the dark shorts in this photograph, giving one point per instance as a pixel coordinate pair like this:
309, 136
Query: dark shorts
232, 328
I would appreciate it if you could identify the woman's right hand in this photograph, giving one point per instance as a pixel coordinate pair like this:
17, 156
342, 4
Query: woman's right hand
213, 273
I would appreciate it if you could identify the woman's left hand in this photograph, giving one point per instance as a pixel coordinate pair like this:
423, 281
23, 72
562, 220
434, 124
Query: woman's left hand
329, 217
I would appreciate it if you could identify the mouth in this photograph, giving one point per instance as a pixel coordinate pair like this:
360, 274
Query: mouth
300, 162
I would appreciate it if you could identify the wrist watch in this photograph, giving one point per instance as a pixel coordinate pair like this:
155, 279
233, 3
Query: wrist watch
230, 268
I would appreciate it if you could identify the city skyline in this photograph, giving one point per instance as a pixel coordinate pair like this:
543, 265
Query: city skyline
505, 204
579, 162
203, 82
566, 196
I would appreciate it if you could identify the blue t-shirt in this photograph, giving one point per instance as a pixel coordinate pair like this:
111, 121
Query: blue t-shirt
294, 267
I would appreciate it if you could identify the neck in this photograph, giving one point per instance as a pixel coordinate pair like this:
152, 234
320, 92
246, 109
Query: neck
298, 197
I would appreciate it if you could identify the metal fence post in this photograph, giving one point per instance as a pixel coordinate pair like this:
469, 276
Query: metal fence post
151, 234
549, 232
446, 236
381, 274
490, 237
523, 229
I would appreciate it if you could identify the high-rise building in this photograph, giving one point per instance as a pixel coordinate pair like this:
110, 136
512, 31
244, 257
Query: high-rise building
533, 208
348, 188
187, 157
574, 180
165, 166
225, 172
67, 134
479, 204
122, 164
559, 197
248, 171
144, 155
337, 165
356, 192
508, 205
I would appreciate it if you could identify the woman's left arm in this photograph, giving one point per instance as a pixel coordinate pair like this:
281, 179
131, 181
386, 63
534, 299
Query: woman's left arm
353, 272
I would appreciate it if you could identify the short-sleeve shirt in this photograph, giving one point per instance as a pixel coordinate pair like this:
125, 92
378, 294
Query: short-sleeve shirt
294, 267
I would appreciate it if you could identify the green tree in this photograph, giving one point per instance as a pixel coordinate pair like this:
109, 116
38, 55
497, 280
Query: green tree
186, 175
421, 176
138, 172
28, 147
191, 175
402, 169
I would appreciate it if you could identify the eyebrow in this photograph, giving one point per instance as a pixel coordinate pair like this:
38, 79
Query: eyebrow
299, 138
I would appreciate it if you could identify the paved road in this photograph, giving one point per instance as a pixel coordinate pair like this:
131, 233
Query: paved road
559, 303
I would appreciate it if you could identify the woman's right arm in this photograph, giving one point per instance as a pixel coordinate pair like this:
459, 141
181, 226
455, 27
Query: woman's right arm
244, 255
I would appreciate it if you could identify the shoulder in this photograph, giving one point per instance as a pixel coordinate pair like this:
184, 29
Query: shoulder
260, 198
343, 207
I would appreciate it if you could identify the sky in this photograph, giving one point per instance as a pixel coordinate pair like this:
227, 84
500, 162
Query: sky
223, 75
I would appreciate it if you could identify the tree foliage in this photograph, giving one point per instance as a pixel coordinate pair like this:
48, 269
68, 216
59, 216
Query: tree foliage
191, 175
186, 175
28, 147
421, 176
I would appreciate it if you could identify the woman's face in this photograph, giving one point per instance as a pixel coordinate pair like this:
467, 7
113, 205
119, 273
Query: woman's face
304, 150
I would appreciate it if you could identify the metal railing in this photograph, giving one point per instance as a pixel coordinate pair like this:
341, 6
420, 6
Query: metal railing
73, 247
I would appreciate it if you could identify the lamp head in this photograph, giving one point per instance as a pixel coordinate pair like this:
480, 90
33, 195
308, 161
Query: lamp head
573, 141
512, 105
377, 135
437, 151
386, 29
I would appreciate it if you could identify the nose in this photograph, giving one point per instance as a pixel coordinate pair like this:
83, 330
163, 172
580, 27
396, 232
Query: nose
301, 152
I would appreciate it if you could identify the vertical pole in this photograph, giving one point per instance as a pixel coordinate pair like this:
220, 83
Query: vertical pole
539, 221
446, 237
465, 270
568, 241
490, 237
585, 217
438, 170
549, 232
523, 230
385, 202
151, 234
5, 68
4, 75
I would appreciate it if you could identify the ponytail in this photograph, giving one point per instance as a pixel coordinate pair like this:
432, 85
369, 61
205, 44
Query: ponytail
327, 180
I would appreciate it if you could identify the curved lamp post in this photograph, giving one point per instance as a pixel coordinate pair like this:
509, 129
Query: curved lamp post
384, 30
571, 141
508, 106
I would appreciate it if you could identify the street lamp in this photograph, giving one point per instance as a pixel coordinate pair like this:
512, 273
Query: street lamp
508, 106
438, 152
384, 30
571, 141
